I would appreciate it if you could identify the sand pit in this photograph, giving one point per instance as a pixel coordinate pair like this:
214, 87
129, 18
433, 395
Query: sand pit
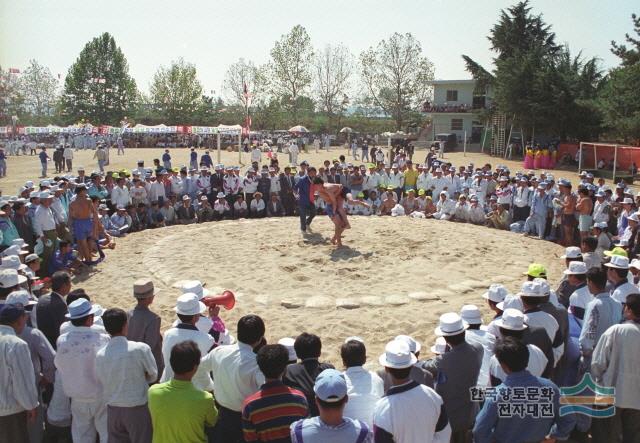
395, 275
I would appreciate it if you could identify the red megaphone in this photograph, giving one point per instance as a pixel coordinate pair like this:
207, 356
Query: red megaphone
226, 300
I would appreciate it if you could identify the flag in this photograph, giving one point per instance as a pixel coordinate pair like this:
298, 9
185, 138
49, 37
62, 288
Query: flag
245, 91
14, 71
59, 76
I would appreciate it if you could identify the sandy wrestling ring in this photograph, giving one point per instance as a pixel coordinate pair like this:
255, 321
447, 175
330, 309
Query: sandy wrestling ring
394, 275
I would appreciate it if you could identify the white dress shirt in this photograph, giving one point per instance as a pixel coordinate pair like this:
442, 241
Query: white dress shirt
236, 373
125, 369
120, 196
76, 362
364, 389
17, 380
173, 336
410, 413
43, 220
156, 190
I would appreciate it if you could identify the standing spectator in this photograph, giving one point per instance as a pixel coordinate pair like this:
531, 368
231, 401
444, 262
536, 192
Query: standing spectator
476, 334
193, 159
3, 163
237, 376
125, 369
492, 426
267, 414
18, 393
410, 412
286, 191
188, 308
364, 388
44, 226
76, 364
166, 160
101, 156
143, 324
602, 312
44, 158
180, 411
303, 375
331, 425
68, 157
306, 208
51, 309
615, 364
455, 373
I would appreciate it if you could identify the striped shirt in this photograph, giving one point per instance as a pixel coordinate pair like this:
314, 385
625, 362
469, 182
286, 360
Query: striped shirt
268, 414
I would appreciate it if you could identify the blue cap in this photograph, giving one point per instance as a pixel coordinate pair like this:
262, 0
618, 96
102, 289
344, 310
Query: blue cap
12, 312
330, 386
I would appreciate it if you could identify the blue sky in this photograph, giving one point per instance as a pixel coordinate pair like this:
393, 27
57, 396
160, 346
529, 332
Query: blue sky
215, 33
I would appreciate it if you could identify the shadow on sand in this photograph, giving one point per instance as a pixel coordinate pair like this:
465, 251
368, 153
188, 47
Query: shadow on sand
347, 253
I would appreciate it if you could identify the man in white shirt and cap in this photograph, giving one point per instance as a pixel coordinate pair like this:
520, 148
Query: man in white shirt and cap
617, 274
125, 369
188, 309
76, 364
532, 296
477, 333
409, 412
512, 324
364, 387
237, 376
44, 226
18, 393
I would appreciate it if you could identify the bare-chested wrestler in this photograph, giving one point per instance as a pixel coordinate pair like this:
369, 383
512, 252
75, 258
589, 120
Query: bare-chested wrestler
81, 217
334, 196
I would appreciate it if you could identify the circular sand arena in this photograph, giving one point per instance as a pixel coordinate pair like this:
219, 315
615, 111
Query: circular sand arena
393, 276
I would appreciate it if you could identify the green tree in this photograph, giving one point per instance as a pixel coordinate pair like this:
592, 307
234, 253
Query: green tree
397, 76
98, 86
629, 56
291, 59
40, 90
620, 102
176, 92
536, 80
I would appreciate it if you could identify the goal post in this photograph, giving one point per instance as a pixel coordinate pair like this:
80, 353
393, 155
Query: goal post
608, 157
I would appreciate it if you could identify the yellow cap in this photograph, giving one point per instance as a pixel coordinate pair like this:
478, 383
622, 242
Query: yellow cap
616, 251
536, 270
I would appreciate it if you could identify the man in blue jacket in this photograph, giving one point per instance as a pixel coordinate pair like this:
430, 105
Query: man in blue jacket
524, 408
306, 207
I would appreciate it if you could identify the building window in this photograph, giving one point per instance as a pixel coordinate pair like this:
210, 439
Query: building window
456, 124
452, 96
